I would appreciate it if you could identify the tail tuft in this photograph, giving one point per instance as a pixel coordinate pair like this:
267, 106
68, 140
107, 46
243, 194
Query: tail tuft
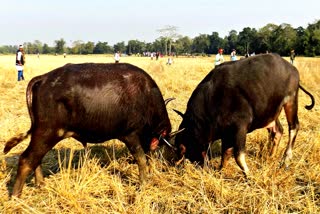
15, 141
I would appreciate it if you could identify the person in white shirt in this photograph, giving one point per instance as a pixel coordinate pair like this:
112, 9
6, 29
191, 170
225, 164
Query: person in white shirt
219, 57
117, 57
20, 60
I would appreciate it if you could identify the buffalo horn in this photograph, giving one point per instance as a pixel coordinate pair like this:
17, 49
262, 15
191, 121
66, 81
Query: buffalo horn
166, 101
178, 112
176, 132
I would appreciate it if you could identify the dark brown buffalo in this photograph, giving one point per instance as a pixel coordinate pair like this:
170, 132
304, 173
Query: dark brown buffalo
236, 98
91, 103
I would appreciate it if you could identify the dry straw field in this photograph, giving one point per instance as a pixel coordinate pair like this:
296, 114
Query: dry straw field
104, 179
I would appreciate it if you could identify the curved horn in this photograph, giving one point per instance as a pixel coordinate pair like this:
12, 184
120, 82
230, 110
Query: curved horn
166, 101
176, 132
178, 112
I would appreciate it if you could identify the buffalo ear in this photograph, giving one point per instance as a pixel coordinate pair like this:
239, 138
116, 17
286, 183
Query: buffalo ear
166, 101
179, 113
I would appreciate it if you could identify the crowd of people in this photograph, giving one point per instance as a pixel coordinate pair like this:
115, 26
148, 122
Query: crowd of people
219, 58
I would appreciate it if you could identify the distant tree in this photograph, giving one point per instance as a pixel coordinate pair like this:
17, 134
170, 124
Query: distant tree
313, 39
284, 38
201, 43
265, 36
88, 48
6, 49
301, 41
102, 48
60, 46
215, 43
135, 46
183, 45
46, 49
231, 41
120, 46
77, 47
246, 40
37, 46
170, 33
159, 44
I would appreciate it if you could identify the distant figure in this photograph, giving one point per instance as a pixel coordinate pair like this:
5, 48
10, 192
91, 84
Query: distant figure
64, 55
20, 60
170, 60
292, 56
233, 56
117, 57
38, 55
151, 55
219, 57
157, 55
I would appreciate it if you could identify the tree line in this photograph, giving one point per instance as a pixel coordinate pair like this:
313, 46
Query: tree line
270, 38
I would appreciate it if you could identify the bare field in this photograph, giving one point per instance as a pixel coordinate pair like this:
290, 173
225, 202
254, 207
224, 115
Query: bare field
105, 179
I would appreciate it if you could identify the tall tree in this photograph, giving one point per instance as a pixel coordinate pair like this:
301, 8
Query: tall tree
246, 40
265, 36
46, 49
301, 41
120, 46
170, 33
231, 40
284, 39
77, 47
183, 45
313, 35
102, 48
60, 46
135, 46
201, 43
215, 42
88, 48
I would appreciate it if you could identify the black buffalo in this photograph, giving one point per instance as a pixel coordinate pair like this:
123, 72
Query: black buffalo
236, 98
92, 103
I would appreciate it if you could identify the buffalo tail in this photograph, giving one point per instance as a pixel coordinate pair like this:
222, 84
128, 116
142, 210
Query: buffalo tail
308, 107
15, 141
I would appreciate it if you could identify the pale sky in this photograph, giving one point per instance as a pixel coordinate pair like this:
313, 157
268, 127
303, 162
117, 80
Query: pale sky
122, 20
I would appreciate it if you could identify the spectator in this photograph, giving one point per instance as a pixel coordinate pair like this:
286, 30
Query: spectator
233, 56
292, 56
20, 60
219, 57
170, 60
117, 57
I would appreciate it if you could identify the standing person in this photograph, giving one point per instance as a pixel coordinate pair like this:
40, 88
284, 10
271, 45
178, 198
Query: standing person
219, 57
117, 57
20, 60
292, 56
233, 56
170, 60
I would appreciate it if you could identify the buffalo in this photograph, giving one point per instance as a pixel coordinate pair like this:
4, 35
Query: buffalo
236, 98
93, 103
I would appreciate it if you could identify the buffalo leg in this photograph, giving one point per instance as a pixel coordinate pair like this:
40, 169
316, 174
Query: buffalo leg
275, 134
291, 110
239, 148
133, 143
226, 154
31, 158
